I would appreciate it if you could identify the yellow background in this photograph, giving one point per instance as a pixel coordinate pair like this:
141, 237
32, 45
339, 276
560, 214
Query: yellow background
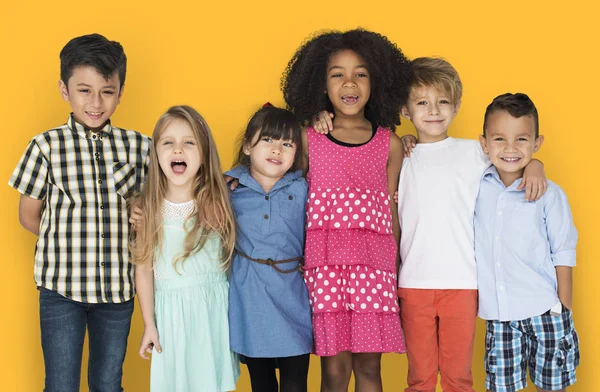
226, 59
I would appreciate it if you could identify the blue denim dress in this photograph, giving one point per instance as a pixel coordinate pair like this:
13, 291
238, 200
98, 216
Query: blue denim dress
269, 312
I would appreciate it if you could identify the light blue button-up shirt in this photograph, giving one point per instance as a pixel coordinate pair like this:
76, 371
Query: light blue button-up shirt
518, 244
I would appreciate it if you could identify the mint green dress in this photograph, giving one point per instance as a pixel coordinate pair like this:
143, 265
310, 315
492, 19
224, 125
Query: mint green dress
190, 307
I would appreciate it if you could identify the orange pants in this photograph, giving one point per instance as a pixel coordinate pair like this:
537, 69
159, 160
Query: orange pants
439, 328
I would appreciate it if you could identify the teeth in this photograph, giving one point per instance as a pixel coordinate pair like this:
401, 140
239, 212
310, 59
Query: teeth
511, 159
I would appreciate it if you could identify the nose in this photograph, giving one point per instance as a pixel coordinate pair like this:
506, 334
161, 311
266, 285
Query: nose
96, 101
276, 149
434, 109
177, 148
509, 146
349, 82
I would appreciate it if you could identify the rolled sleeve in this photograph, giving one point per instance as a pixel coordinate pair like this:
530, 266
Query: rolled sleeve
562, 234
30, 175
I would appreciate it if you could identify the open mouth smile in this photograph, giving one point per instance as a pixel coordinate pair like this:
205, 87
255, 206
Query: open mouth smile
350, 99
178, 166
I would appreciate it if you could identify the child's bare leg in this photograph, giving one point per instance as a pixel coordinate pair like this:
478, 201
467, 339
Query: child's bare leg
367, 372
335, 372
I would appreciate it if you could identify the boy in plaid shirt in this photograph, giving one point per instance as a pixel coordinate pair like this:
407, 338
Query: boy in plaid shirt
74, 182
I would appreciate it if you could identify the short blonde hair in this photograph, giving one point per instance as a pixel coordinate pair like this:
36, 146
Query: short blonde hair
437, 72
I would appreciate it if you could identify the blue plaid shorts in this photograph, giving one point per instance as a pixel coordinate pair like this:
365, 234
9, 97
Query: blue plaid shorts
547, 344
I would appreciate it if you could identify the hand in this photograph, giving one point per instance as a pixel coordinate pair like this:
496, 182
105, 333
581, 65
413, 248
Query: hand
232, 182
322, 122
149, 340
534, 181
396, 197
408, 143
136, 216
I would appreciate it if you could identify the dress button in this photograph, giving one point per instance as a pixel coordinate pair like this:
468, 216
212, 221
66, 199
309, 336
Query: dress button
291, 197
266, 197
266, 216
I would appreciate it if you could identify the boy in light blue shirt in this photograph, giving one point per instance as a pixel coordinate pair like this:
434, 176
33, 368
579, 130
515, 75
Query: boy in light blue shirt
525, 252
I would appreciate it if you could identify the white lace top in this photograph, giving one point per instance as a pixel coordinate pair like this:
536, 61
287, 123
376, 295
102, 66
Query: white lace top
177, 211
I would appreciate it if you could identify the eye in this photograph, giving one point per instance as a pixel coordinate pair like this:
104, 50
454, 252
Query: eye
362, 75
337, 75
166, 142
444, 102
267, 139
84, 90
190, 142
109, 92
498, 139
288, 144
522, 139
422, 103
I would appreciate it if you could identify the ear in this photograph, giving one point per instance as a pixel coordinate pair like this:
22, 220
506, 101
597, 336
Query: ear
483, 144
457, 107
538, 143
120, 94
245, 148
405, 113
64, 90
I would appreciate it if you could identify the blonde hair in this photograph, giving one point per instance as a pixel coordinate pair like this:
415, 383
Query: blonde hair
212, 213
437, 72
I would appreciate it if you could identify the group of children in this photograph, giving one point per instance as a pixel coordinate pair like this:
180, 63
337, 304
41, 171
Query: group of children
278, 265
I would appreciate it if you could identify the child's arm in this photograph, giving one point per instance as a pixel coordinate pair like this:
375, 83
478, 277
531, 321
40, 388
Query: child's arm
144, 282
564, 277
394, 165
562, 238
30, 213
534, 180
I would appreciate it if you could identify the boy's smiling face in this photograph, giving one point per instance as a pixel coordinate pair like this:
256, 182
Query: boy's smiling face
93, 98
510, 142
431, 111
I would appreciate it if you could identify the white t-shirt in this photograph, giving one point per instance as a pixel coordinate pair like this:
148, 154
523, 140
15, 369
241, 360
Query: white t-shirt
438, 187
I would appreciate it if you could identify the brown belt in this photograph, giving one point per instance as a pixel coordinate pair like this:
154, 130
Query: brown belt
275, 263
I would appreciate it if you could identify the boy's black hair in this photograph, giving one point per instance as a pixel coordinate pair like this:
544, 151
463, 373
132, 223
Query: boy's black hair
93, 50
304, 81
275, 123
517, 105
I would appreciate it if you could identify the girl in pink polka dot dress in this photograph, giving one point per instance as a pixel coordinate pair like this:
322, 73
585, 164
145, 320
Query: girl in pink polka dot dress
352, 231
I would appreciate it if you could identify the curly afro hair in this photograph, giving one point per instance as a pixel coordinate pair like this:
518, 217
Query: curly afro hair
304, 81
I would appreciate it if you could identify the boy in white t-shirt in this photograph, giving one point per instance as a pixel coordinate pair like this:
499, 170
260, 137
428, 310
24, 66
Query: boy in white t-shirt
438, 187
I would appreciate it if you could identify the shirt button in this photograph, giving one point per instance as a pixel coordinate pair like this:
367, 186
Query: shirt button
101, 206
102, 235
291, 197
499, 213
102, 263
266, 197
498, 264
497, 238
97, 154
93, 136
501, 288
266, 216
97, 158
99, 181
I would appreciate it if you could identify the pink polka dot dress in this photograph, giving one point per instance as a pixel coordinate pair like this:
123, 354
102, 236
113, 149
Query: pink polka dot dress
350, 255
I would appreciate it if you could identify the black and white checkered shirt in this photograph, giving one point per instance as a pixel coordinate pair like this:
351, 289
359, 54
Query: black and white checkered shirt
84, 179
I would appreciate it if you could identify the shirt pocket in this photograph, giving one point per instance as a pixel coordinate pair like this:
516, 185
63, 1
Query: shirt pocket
124, 177
291, 207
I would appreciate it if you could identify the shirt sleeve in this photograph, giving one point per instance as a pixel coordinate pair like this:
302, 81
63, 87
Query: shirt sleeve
31, 174
562, 234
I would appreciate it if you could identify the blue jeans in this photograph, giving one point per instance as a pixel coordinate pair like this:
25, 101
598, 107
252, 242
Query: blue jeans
63, 323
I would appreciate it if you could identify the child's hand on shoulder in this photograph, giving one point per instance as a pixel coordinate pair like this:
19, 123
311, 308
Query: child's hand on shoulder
232, 183
322, 122
149, 340
534, 181
408, 143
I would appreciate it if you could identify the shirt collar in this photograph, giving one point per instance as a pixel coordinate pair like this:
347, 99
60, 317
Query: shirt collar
86, 132
242, 173
491, 174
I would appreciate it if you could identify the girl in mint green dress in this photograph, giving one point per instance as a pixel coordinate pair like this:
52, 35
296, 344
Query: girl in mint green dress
183, 248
